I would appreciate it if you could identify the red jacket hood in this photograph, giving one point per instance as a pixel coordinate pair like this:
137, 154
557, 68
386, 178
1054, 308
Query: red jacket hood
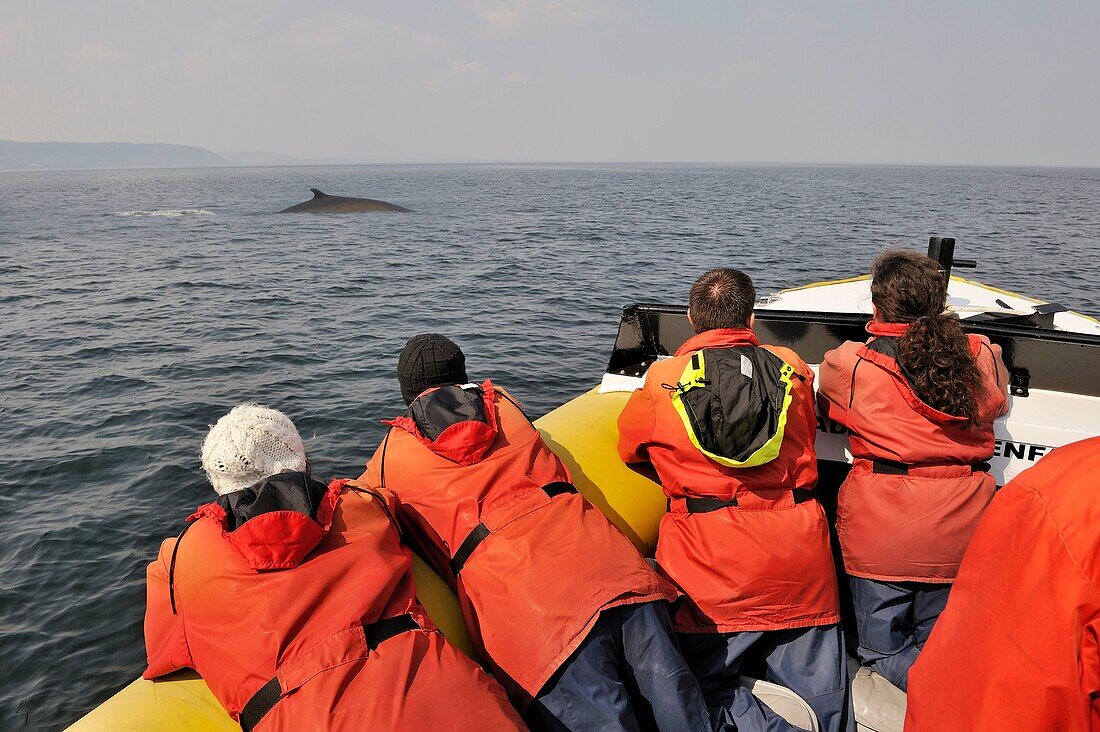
462, 441
719, 338
888, 361
280, 537
894, 330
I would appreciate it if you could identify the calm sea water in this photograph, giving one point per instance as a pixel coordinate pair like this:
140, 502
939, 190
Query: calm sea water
136, 307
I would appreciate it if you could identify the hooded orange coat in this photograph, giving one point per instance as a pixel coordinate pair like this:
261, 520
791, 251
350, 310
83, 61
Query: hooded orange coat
915, 527
764, 565
1018, 647
289, 595
535, 586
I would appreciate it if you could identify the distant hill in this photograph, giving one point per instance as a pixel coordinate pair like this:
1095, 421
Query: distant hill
35, 155
260, 157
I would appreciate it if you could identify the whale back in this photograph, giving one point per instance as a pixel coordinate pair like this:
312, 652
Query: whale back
324, 203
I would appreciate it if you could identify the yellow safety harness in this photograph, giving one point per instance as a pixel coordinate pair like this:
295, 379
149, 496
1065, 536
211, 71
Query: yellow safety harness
684, 395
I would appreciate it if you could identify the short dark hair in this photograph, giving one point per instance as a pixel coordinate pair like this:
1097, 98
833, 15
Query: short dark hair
722, 298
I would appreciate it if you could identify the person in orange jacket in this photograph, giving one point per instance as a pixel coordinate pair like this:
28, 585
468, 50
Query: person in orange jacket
563, 606
919, 399
295, 601
729, 426
1018, 647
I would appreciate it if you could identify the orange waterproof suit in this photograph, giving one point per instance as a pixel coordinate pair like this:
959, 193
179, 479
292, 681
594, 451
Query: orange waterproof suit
1018, 647
491, 506
917, 486
764, 564
296, 605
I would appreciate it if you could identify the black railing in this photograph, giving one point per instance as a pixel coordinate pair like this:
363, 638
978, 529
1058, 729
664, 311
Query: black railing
1037, 358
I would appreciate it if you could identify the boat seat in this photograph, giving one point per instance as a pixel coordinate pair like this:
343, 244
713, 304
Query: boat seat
784, 702
879, 706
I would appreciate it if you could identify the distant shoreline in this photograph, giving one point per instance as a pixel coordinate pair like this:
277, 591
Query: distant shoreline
21, 157
548, 164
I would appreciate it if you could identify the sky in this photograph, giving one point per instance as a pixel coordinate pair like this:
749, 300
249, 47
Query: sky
818, 81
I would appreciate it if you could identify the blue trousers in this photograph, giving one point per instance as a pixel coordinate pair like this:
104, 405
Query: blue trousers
627, 674
893, 620
809, 661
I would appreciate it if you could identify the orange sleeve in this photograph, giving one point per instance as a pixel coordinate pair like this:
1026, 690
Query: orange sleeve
418, 533
510, 398
370, 473
636, 427
423, 540
374, 495
811, 415
834, 387
165, 643
992, 364
390, 501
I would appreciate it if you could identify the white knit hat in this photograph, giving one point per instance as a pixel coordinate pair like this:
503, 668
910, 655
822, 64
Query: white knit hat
250, 444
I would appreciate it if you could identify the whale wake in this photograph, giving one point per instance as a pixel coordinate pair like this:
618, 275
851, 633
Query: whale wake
170, 213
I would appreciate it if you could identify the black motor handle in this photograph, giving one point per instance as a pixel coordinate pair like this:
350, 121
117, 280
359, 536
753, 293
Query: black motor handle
942, 249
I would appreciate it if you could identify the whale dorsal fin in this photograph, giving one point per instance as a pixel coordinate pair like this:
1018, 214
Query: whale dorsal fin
317, 193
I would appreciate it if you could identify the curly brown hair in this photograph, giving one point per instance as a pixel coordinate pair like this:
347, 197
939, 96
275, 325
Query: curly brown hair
907, 287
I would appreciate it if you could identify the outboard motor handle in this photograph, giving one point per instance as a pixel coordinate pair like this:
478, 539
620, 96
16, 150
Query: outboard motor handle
942, 249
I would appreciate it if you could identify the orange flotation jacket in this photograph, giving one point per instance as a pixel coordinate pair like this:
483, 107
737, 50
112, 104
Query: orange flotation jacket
918, 483
493, 510
295, 602
1018, 647
744, 536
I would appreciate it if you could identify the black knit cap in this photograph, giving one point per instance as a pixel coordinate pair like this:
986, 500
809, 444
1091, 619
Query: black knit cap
428, 360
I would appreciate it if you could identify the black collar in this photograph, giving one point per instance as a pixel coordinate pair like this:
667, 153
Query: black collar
281, 492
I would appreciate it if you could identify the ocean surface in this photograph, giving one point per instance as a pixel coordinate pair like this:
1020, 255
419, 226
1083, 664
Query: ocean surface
136, 307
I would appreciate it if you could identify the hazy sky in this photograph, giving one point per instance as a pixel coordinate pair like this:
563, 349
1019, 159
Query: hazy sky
920, 81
